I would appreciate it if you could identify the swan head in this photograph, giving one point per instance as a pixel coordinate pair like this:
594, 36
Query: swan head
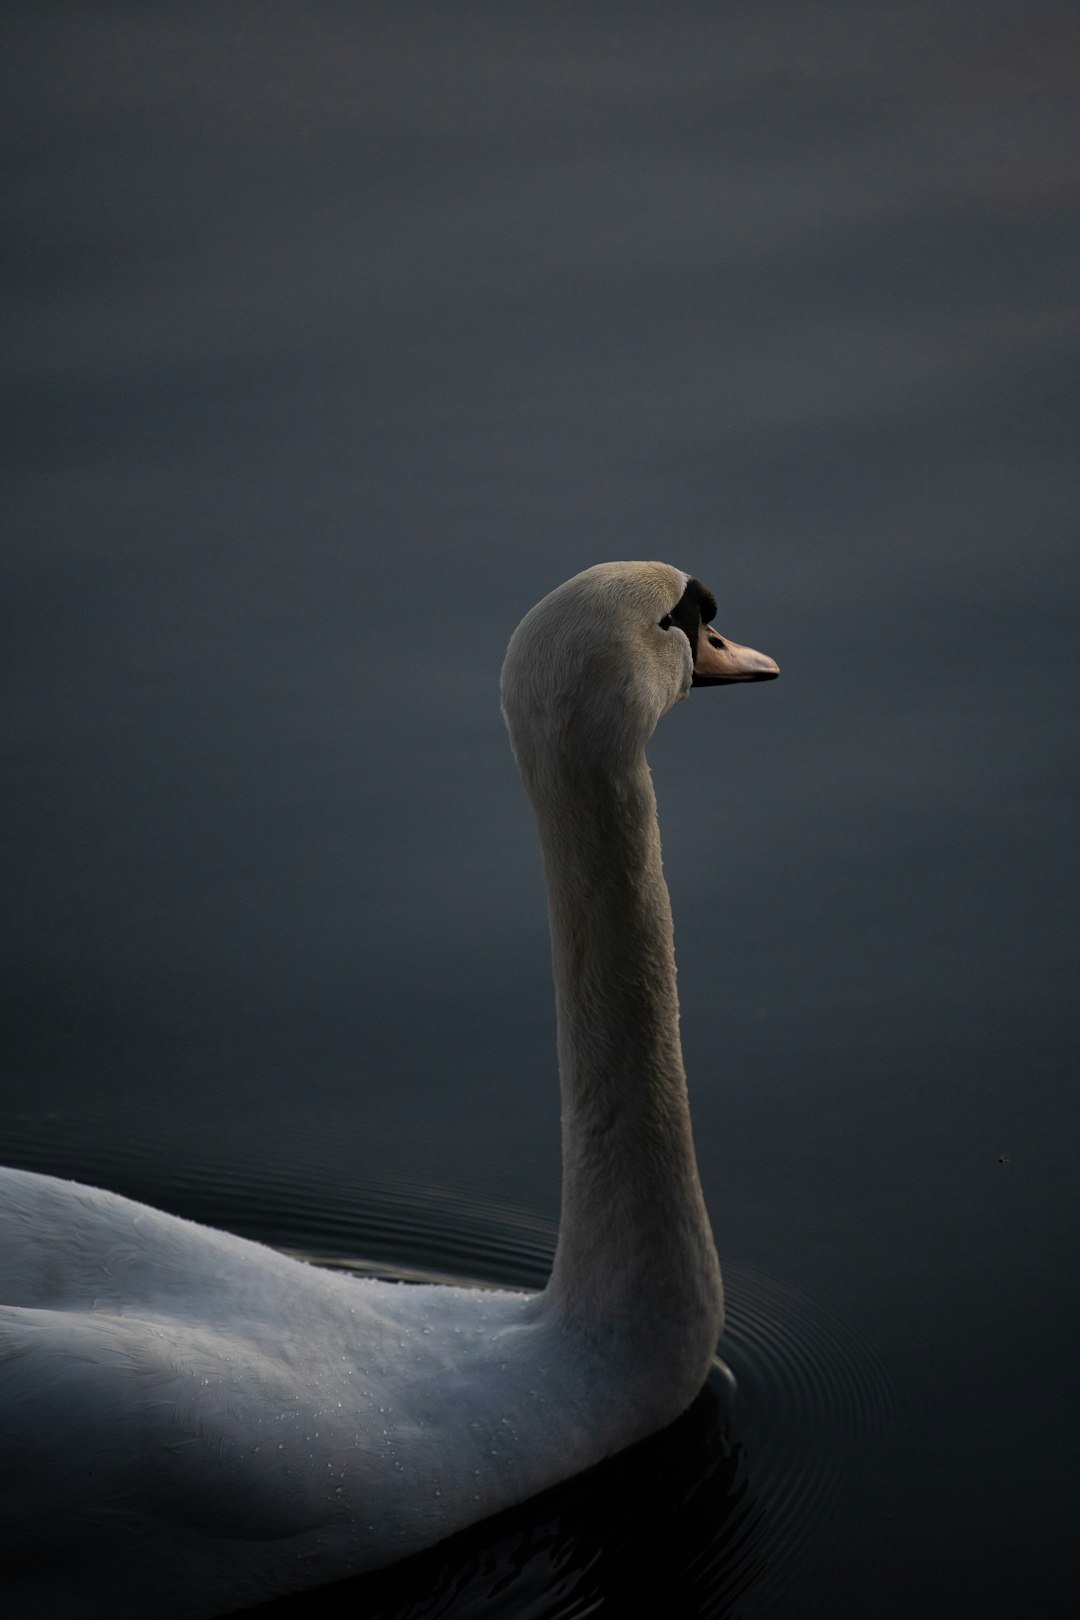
594, 666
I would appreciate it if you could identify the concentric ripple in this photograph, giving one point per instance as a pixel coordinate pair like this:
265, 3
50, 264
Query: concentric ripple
815, 1409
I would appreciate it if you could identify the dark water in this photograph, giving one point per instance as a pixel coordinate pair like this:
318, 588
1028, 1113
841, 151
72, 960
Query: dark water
334, 337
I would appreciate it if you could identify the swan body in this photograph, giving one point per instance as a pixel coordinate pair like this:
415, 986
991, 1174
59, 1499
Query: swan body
191, 1423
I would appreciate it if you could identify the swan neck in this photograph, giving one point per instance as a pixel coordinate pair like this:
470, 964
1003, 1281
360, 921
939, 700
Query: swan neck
635, 1251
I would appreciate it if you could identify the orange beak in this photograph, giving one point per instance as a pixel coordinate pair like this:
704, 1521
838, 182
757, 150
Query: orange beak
719, 662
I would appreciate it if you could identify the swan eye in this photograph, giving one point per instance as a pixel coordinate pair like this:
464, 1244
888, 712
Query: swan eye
665, 622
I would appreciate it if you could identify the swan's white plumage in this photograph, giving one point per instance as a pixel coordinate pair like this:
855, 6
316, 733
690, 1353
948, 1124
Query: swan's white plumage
190, 1422
275, 1421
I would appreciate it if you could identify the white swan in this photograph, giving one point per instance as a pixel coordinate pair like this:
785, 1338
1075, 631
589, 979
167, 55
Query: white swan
191, 1423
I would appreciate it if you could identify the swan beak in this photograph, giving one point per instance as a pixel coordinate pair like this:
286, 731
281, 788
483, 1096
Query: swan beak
719, 661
